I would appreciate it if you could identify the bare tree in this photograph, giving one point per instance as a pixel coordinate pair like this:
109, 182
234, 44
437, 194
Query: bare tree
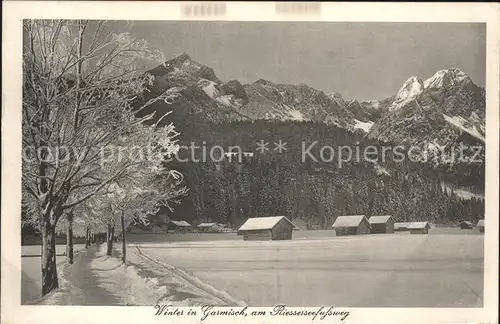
80, 86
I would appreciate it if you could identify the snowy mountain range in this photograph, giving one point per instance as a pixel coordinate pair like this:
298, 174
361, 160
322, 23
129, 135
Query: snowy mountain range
436, 112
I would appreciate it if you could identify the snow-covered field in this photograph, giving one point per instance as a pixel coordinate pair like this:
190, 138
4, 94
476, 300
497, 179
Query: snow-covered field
372, 270
36, 250
442, 269
297, 235
31, 276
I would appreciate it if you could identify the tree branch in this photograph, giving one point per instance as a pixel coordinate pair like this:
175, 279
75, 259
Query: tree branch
116, 175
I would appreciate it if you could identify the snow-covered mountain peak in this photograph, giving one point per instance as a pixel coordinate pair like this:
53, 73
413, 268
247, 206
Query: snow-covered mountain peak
337, 97
179, 61
412, 88
412, 85
446, 77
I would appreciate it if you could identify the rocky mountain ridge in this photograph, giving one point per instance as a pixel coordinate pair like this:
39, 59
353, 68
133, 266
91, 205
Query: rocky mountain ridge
436, 111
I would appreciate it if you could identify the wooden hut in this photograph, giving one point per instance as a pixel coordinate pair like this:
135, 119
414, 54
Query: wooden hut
210, 227
400, 227
181, 226
351, 225
466, 225
266, 229
419, 227
480, 225
381, 224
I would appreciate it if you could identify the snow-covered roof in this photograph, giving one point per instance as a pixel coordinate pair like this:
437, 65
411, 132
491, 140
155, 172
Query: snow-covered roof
262, 223
379, 219
207, 224
419, 225
348, 221
466, 222
181, 223
480, 222
401, 225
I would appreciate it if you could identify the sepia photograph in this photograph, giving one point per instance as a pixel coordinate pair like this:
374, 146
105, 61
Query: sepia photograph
272, 164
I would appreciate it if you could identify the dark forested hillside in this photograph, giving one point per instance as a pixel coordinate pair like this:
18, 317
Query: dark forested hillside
303, 186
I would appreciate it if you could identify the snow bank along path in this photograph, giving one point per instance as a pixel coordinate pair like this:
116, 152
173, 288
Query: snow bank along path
97, 279
222, 296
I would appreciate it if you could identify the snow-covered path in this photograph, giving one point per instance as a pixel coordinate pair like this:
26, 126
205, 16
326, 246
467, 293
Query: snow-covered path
85, 276
97, 279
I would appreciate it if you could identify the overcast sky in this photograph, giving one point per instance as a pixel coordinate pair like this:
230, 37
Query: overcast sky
358, 60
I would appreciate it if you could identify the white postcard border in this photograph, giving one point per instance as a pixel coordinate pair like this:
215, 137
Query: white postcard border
15, 11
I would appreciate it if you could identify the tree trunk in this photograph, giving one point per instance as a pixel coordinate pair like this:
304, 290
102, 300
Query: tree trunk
87, 238
109, 240
124, 245
322, 215
49, 266
69, 239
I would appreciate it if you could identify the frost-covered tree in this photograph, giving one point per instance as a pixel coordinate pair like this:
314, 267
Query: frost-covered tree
133, 198
80, 81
